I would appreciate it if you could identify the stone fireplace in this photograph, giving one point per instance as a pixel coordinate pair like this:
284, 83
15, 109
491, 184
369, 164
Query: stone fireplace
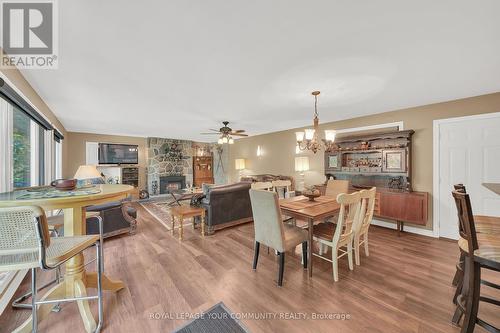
171, 183
169, 158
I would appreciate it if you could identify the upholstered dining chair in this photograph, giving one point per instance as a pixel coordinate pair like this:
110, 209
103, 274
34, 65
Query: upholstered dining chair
364, 222
282, 187
268, 186
340, 235
271, 231
334, 187
25, 243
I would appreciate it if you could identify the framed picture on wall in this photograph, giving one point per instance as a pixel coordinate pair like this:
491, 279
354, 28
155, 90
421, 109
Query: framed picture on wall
394, 160
333, 161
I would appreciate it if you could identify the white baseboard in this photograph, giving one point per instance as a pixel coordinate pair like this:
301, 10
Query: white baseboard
12, 285
407, 228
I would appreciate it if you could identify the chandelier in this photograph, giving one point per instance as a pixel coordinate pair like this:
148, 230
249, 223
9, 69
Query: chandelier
308, 140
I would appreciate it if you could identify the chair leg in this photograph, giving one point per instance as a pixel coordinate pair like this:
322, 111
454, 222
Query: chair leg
99, 285
34, 320
256, 255
356, 249
472, 305
304, 254
281, 268
320, 250
460, 270
365, 237
349, 255
335, 265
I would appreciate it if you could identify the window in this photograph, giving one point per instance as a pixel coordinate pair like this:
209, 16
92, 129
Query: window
21, 149
32, 154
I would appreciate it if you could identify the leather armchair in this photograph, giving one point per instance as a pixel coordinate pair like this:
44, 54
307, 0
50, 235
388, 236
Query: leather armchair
227, 205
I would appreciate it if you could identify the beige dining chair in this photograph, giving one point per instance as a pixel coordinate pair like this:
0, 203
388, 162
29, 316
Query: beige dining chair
283, 188
334, 187
340, 235
268, 186
272, 232
25, 243
364, 222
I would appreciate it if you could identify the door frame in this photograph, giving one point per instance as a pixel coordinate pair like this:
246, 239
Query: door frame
436, 140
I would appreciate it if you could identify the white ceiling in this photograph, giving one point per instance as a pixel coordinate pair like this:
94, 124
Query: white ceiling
176, 68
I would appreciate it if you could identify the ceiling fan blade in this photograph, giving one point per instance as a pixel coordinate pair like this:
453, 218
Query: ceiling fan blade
211, 129
238, 134
239, 131
210, 133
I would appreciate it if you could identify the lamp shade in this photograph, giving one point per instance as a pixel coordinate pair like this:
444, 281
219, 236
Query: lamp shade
330, 135
301, 163
239, 163
87, 172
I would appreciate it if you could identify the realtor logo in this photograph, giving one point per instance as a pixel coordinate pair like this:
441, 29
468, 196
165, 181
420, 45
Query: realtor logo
29, 34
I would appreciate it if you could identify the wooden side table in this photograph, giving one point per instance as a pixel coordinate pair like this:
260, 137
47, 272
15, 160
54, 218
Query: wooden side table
182, 212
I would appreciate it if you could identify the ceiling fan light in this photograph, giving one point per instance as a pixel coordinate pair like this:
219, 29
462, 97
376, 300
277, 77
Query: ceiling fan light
231, 141
299, 136
220, 141
224, 139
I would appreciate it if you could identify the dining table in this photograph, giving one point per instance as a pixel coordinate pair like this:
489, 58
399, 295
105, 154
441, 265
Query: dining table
73, 203
302, 208
494, 187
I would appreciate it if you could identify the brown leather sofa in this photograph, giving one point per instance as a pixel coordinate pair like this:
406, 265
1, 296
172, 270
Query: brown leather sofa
227, 205
118, 217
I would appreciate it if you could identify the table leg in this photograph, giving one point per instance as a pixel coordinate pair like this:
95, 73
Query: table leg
310, 223
107, 283
173, 224
193, 222
203, 225
181, 232
83, 306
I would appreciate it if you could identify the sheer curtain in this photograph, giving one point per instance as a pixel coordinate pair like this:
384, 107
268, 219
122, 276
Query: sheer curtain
6, 128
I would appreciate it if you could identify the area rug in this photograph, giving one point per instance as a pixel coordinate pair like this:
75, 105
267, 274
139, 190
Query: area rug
217, 319
160, 210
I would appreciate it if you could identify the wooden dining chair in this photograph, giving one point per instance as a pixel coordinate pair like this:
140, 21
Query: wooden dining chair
272, 232
474, 245
25, 243
364, 222
267, 186
484, 225
282, 187
340, 235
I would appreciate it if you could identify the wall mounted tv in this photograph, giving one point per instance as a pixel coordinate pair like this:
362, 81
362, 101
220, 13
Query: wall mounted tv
112, 153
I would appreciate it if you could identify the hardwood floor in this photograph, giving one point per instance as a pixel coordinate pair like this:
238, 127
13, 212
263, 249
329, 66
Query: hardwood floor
404, 286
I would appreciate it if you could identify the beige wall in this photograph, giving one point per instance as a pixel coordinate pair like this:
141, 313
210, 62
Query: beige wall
76, 151
15, 77
279, 147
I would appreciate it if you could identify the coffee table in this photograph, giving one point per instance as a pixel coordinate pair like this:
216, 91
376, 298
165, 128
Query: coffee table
183, 195
182, 212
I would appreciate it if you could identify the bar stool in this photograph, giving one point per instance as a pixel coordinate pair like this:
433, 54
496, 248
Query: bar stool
25, 244
56, 227
481, 251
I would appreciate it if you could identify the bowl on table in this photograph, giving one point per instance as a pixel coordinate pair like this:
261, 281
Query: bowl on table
64, 184
311, 194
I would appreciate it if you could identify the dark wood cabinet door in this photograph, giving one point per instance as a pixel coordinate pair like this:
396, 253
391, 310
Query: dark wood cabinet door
202, 170
405, 206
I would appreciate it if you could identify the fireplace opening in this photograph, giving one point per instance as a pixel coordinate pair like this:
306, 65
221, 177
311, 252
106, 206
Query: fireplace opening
172, 183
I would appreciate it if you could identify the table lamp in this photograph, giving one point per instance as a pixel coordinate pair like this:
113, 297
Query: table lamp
301, 165
87, 172
239, 164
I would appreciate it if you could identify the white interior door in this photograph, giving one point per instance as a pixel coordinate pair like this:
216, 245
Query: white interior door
469, 153
92, 153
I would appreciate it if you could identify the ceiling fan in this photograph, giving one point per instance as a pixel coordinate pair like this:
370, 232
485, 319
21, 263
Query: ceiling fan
226, 133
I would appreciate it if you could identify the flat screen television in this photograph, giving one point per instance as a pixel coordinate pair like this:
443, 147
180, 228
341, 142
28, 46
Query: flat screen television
112, 153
